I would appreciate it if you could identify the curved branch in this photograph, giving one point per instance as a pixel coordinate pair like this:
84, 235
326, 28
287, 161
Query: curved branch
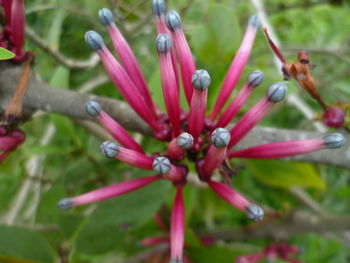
40, 96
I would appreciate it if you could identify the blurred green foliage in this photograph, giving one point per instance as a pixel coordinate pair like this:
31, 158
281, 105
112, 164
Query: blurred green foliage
71, 163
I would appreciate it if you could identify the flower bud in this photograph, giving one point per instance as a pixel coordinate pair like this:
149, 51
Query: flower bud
255, 212
65, 204
276, 92
163, 43
161, 165
106, 16
220, 137
201, 79
109, 149
93, 108
173, 20
94, 40
255, 78
185, 140
334, 140
158, 7
254, 21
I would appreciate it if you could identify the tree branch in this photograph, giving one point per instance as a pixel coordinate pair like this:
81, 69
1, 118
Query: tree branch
67, 62
40, 96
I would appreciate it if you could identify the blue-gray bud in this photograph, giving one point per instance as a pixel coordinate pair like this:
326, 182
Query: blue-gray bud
173, 20
334, 140
175, 260
163, 43
94, 40
109, 149
185, 140
220, 137
255, 212
106, 16
65, 204
93, 108
201, 79
255, 78
161, 165
276, 92
158, 7
254, 21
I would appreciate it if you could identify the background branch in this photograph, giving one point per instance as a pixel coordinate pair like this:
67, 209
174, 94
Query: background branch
40, 96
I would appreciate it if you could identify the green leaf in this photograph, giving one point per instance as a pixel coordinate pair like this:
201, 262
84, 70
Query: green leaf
6, 54
22, 245
213, 254
107, 224
224, 26
60, 78
217, 40
286, 174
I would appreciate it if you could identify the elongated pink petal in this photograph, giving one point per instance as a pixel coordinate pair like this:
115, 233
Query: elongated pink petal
17, 26
169, 85
126, 56
275, 93
131, 157
158, 8
177, 231
290, 148
238, 201
254, 79
118, 132
6, 4
215, 154
8, 143
107, 192
122, 80
177, 146
200, 81
187, 65
237, 66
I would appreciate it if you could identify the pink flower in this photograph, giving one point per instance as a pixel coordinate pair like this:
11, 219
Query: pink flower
193, 135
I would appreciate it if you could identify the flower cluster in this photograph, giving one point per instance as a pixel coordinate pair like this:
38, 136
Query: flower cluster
12, 37
271, 252
201, 138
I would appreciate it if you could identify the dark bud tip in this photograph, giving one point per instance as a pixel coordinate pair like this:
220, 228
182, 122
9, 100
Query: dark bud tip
255, 78
254, 21
163, 43
106, 16
109, 149
94, 40
220, 137
201, 79
173, 20
276, 92
334, 140
185, 140
65, 204
93, 108
158, 7
161, 165
255, 212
